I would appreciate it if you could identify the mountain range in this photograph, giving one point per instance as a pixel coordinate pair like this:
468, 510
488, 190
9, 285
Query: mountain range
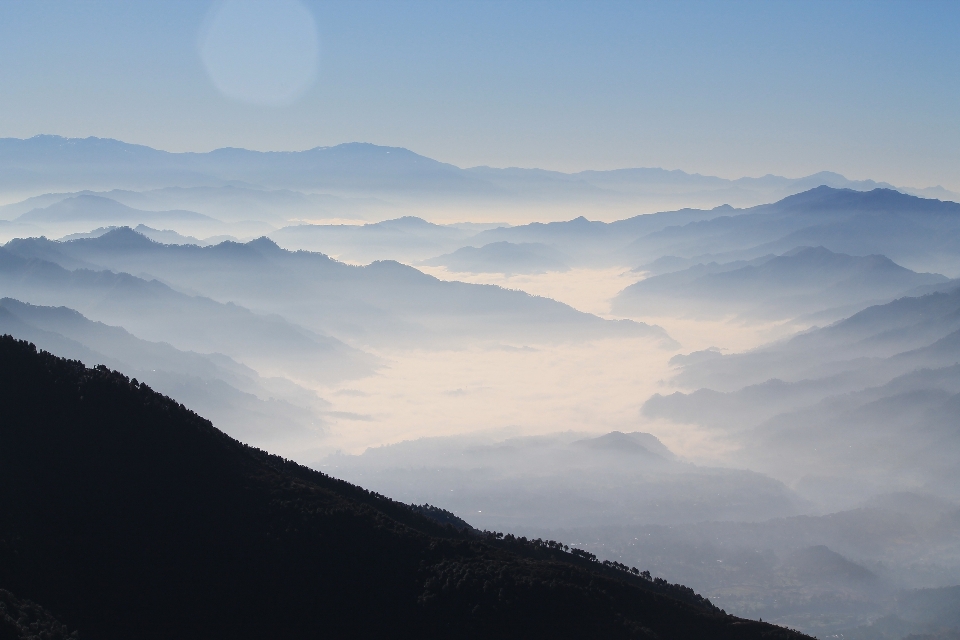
503, 257
801, 282
52, 163
918, 233
383, 302
154, 311
263, 411
125, 514
865, 405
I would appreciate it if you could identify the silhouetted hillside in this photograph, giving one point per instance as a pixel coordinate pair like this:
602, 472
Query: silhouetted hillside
25, 620
265, 412
127, 515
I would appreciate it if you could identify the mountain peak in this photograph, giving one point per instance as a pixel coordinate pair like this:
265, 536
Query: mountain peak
121, 237
263, 243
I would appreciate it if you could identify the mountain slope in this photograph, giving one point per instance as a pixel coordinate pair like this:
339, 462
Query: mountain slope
154, 311
503, 257
805, 280
129, 516
383, 302
407, 238
864, 406
260, 411
90, 209
919, 233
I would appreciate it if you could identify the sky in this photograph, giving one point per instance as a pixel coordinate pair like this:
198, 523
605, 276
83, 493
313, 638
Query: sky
867, 89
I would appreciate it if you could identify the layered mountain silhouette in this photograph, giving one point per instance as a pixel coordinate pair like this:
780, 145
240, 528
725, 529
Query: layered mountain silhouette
79, 213
127, 515
408, 238
229, 203
164, 236
383, 302
154, 311
90, 209
916, 232
592, 242
503, 257
866, 404
803, 281
919, 233
56, 163
262, 411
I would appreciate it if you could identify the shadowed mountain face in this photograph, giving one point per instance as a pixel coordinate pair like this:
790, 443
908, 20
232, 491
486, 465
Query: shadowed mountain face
22, 619
804, 281
126, 515
381, 303
503, 257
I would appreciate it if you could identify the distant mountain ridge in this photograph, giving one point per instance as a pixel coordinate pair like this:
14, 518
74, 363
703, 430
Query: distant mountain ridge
382, 301
503, 257
802, 281
155, 311
919, 233
100, 210
47, 161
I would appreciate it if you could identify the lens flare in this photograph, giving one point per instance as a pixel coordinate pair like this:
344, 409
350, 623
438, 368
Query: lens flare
260, 52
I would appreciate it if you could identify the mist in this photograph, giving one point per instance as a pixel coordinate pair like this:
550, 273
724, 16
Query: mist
754, 395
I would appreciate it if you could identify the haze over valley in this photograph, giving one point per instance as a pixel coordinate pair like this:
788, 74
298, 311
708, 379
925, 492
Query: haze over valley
585, 379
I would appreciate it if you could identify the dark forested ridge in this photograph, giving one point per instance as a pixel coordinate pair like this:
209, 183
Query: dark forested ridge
128, 516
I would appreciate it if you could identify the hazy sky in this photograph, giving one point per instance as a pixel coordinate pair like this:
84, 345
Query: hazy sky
871, 90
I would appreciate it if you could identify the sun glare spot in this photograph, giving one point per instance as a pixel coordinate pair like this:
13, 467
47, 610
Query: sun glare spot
259, 52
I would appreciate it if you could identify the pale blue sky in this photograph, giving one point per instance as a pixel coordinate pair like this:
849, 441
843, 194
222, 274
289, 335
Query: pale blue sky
868, 89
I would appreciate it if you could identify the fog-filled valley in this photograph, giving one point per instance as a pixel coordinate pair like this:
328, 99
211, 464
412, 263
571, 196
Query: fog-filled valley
750, 387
